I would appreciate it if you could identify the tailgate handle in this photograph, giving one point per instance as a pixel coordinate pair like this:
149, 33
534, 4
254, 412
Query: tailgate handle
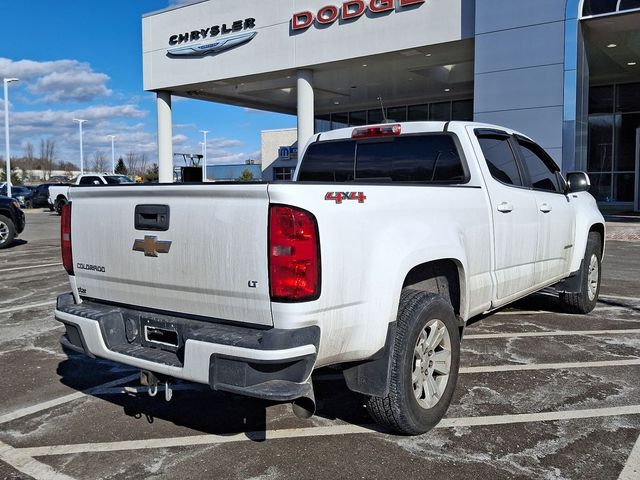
152, 217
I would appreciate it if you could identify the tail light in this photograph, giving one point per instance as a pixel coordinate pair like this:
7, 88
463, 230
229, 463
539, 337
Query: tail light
294, 255
377, 131
65, 239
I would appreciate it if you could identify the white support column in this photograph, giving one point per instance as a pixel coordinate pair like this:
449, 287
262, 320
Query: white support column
306, 108
165, 137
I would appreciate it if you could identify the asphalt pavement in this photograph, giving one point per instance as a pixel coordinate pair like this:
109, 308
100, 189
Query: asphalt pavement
542, 394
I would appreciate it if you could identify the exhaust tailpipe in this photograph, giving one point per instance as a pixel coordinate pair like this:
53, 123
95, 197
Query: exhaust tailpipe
305, 406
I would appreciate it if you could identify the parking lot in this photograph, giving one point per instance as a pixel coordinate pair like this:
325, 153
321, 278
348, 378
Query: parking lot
542, 394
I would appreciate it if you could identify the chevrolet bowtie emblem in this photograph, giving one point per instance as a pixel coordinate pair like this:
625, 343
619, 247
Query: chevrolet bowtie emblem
151, 246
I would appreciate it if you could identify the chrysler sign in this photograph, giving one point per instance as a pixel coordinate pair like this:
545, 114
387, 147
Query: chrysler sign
349, 10
211, 40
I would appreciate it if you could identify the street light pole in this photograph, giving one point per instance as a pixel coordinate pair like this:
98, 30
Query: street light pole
113, 154
7, 146
80, 122
204, 156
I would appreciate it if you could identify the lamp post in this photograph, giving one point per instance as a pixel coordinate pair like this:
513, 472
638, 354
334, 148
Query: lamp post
80, 122
204, 156
7, 147
113, 154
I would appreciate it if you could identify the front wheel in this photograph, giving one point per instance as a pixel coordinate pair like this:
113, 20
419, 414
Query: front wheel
586, 299
425, 359
7, 231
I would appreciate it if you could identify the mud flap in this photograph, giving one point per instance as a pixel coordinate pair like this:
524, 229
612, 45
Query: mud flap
372, 376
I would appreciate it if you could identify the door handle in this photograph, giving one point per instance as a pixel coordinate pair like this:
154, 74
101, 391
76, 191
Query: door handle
505, 207
545, 208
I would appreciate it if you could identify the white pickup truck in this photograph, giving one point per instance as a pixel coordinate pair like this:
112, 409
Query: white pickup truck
59, 194
373, 260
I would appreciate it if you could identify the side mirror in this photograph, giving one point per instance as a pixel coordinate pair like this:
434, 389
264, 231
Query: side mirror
578, 182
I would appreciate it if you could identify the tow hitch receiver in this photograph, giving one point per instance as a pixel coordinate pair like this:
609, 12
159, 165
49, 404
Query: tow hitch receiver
149, 380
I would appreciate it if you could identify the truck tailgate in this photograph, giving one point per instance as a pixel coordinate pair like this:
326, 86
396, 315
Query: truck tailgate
216, 265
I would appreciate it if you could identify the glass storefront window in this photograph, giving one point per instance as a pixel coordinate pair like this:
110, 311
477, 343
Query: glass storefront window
601, 99
597, 7
419, 113
397, 114
601, 186
375, 116
358, 118
624, 191
600, 143
339, 120
629, 4
462, 110
626, 127
628, 97
440, 111
323, 123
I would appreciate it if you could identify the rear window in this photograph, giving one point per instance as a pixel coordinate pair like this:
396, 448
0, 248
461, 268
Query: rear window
118, 179
432, 158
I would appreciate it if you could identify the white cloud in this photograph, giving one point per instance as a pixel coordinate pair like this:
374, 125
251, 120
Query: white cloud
57, 81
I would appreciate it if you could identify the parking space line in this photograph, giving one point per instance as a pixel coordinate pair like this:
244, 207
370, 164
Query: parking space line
631, 470
616, 297
23, 412
197, 440
549, 366
45, 265
28, 307
28, 465
553, 333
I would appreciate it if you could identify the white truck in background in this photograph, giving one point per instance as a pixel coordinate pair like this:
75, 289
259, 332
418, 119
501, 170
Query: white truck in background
59, 194
390, 238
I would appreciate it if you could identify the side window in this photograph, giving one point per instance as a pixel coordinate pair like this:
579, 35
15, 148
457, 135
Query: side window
542, 170
500, 159
89, 180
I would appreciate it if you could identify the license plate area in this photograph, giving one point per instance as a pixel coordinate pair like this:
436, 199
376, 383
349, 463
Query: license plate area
162, 335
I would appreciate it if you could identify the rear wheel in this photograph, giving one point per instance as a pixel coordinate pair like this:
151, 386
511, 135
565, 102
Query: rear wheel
7, 231
586, 299
60, 202
424, 365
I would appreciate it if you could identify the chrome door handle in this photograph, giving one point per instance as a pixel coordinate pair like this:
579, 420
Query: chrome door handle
545, 208
505, 207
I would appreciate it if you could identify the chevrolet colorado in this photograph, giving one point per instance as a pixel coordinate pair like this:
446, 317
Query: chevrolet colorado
390, 238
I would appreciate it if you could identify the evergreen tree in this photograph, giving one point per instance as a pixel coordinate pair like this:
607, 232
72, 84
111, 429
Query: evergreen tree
246, 176
121, 169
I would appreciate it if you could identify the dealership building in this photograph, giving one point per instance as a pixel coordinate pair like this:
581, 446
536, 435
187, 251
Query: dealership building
564, 72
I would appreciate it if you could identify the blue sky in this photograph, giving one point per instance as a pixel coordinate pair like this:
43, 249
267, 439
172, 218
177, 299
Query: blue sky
82, 59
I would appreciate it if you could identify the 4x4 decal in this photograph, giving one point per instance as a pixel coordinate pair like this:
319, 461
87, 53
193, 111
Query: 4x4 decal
340, 197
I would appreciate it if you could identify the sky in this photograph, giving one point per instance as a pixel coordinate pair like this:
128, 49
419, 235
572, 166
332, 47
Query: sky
83, 59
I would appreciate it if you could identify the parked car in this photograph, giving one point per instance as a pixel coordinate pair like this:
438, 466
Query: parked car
12, 221
40, 198
389, 239
58, 194
20, 193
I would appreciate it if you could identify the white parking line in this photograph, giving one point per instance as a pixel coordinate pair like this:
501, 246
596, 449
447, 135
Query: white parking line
23, 412
28, 307
631, 470
27, 465
549, 366
615, 297
31, 267
130, 445
553, 333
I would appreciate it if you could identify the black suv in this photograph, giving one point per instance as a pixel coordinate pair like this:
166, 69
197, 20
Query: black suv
11, 221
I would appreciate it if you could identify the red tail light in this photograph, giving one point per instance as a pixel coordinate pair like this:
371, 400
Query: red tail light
378, 131
294, 255
65, 239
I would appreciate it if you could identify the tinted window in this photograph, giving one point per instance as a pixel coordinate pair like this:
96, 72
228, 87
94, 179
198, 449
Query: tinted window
89, 180
541, 170
423, 158
500, 160
328, 162
118, 179
430, 158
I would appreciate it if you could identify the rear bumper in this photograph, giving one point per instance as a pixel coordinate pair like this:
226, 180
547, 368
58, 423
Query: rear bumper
272, 364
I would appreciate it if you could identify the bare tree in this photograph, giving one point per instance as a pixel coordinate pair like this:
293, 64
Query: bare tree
47, 155
99, 164
133, 163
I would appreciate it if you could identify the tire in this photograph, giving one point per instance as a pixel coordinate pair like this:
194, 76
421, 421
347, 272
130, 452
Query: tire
50, 207
405, 409
60, 202
28, 204
7, 232
586, 299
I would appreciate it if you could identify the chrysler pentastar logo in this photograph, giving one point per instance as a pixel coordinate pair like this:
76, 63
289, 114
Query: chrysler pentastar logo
212, 47
151, 246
